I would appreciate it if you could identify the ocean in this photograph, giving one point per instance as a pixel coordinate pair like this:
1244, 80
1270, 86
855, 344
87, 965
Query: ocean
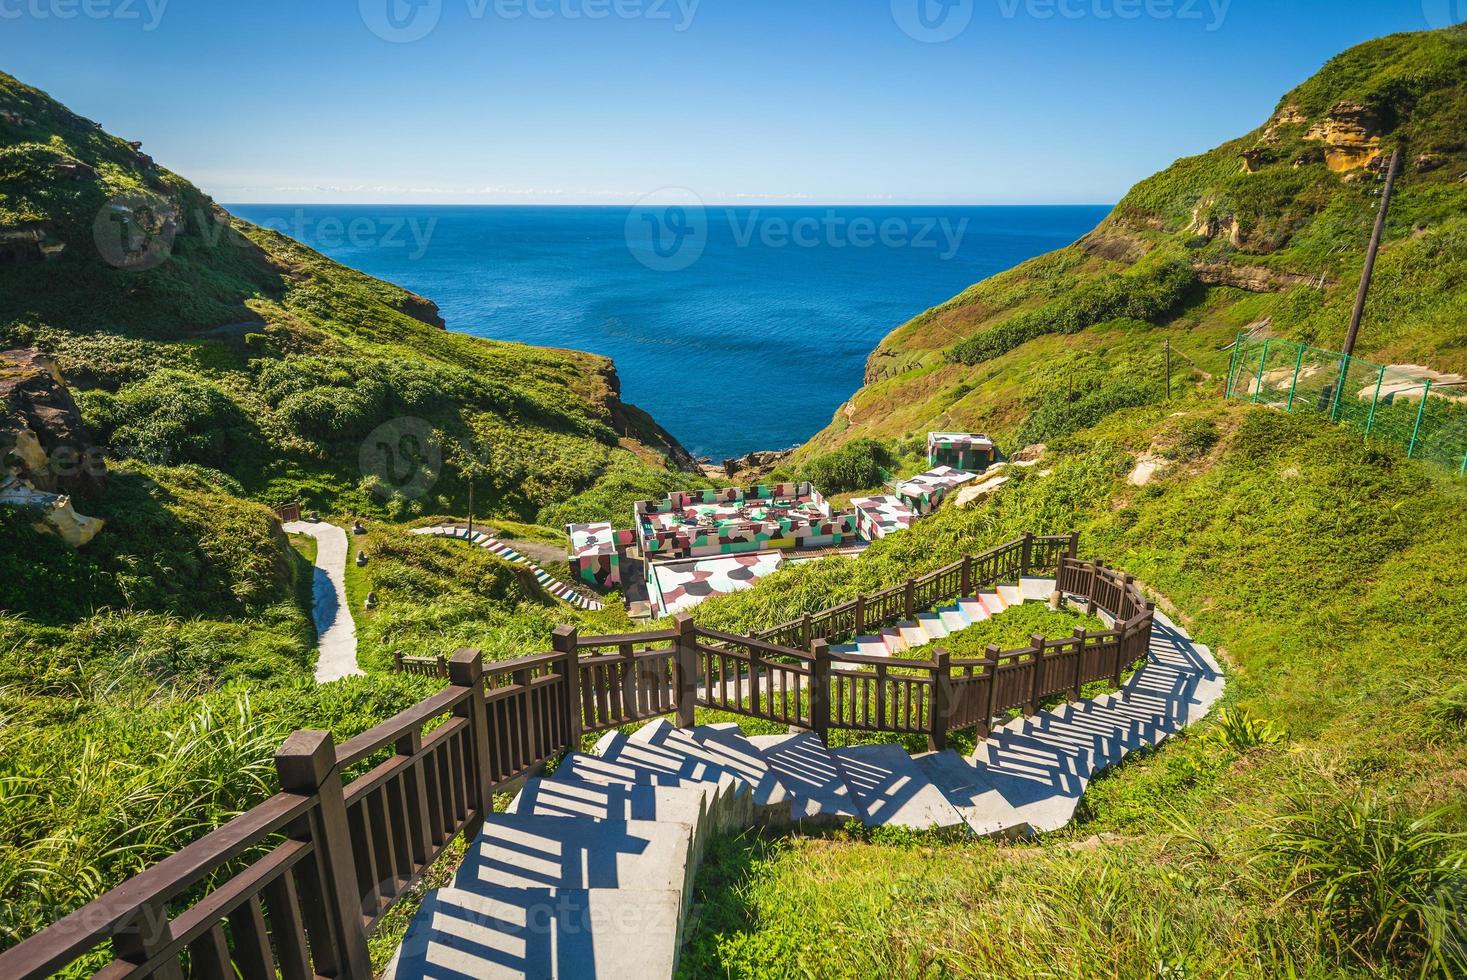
739, 329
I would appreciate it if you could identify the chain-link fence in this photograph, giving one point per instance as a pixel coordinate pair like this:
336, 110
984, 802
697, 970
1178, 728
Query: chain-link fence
1424, 412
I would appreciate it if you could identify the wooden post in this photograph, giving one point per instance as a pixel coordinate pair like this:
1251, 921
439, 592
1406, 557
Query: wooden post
145, 937
564, 642
938, 710
881, 697
397, 660
991, 659
910, 605
306, 764
1037, 642
860, 614
1080, 634
687, 670
805, 631
466, 669
820, 689
415, 798
966, 588
1090, 606
1027, 562
629, 681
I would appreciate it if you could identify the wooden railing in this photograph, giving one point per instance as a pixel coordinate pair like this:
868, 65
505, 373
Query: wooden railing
1006, 564
294, 887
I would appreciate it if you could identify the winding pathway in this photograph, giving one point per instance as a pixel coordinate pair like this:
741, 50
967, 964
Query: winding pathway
548, 582
336, 633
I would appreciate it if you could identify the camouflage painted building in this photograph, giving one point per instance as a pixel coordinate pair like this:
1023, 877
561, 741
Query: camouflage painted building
596, 553
961, 451
877, 517
730, 521
924, 494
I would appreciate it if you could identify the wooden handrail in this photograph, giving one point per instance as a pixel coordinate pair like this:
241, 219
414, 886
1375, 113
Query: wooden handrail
336, 857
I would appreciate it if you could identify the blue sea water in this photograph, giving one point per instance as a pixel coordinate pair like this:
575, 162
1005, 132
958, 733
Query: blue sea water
737, 328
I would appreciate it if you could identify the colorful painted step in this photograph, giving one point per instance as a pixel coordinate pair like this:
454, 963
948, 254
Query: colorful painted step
494, 546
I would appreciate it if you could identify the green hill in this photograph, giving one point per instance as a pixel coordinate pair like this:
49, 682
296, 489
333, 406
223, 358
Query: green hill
147, 678
1266, 233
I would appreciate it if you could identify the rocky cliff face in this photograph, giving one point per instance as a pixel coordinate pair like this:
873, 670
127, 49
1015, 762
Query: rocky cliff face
46, 455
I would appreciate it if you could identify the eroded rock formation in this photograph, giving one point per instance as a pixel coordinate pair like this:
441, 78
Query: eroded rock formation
46, 455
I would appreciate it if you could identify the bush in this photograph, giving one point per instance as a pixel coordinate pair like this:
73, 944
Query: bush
1391, 885
858, 465
1150, 293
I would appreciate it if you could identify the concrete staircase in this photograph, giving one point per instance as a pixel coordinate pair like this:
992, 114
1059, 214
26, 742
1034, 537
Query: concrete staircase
590, 872
927, 627
548, 582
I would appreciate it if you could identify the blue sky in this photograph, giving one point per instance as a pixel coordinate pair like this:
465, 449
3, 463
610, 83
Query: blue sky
603, 101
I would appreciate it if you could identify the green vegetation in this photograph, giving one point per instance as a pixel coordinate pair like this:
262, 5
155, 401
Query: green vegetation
1014, 628
858, 465
1203, 250
146, 680
1329, 574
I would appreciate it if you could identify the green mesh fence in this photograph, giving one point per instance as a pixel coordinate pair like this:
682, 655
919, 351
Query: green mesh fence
1424, 414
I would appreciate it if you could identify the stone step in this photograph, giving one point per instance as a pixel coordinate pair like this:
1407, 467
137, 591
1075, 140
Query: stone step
894, 640
932, 625
494, 933
953, 619
660, 743
1036, 589
807, 769
1011, 595
992, 601
986, 812
872, 646
515, 850
973, 610
913, 635
728, 801
892, 791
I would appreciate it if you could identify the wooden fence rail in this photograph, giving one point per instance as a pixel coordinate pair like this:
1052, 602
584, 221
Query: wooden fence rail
294, 887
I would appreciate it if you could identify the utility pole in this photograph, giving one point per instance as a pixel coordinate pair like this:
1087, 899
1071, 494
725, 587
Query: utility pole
1168, 369
1368, 274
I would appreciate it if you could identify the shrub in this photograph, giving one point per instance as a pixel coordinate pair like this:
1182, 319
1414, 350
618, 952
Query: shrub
858, 465
1150, 293
1390, 885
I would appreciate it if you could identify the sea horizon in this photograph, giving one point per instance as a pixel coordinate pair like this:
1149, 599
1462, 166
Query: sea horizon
788, 298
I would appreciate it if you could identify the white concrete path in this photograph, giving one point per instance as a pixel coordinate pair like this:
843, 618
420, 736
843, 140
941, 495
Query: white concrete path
336, 632
590, 874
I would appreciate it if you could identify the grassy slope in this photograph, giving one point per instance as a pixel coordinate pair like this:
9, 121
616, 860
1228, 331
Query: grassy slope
1327, 572
146, 680
1294, 223
1334, 587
